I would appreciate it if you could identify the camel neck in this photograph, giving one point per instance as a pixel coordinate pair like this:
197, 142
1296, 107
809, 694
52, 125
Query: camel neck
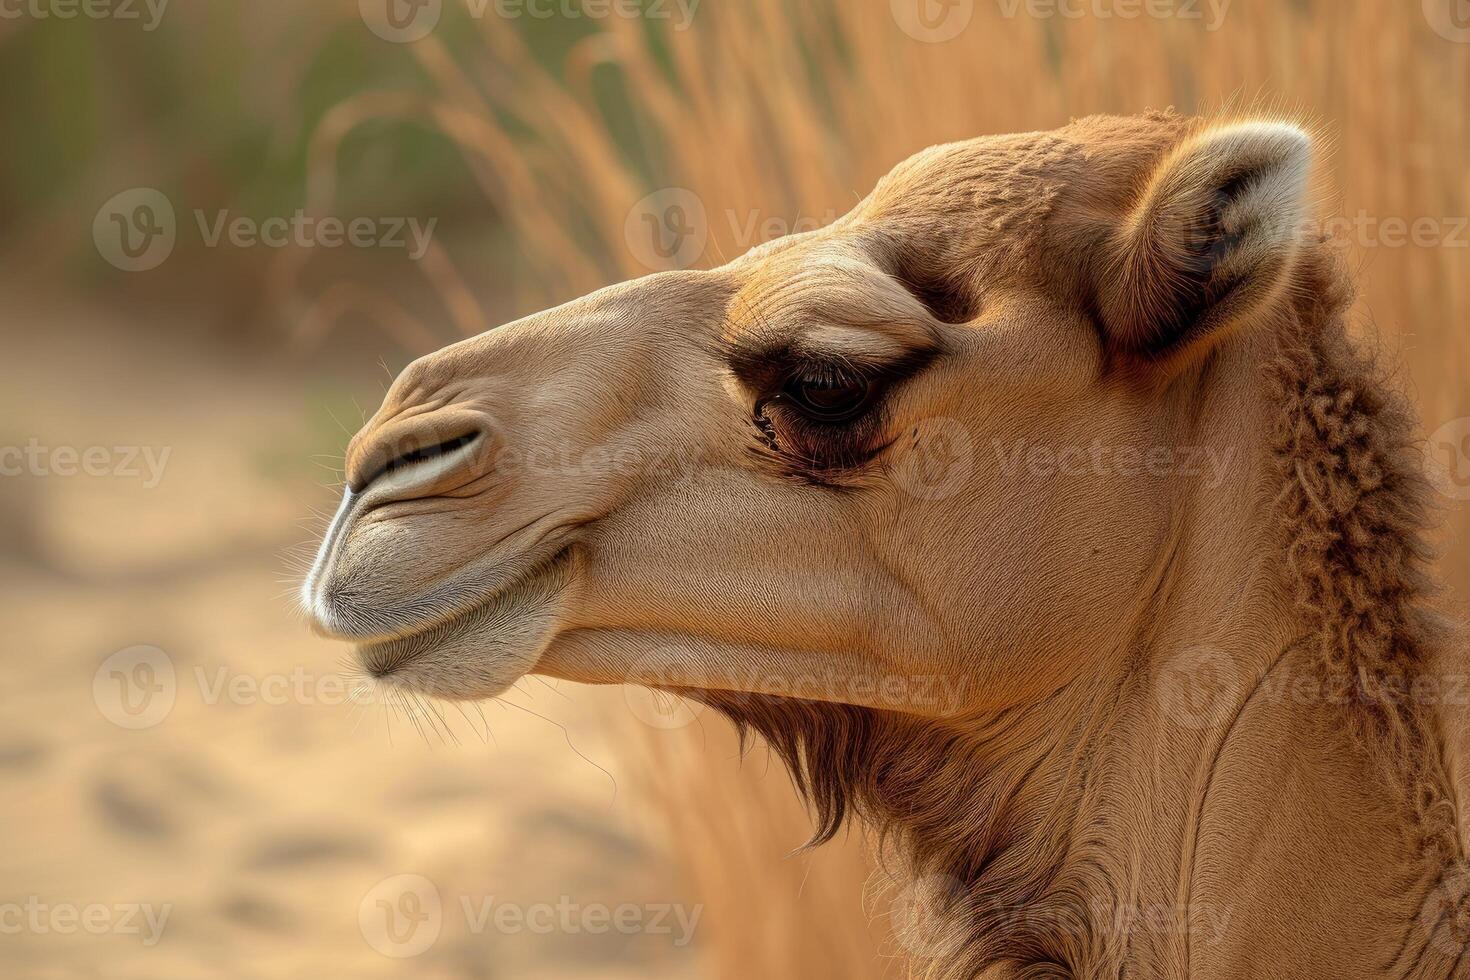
1215, 815
1264, 788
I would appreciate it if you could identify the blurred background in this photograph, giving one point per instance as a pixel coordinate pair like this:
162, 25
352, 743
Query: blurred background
225, 226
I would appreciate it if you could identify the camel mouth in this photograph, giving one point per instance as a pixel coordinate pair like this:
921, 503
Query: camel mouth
489, 644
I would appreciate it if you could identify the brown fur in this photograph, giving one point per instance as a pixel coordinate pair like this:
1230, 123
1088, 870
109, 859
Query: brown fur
1137, 283
1353, 508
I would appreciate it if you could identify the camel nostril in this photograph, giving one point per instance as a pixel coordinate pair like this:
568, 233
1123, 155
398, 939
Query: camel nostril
420, 454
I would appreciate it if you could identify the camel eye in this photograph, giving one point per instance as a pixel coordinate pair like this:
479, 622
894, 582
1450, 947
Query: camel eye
830, 397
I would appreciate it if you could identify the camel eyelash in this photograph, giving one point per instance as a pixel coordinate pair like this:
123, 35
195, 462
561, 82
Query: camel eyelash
767, 369
816, 413
823, 417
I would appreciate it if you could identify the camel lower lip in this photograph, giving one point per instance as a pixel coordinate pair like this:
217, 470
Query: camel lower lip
528, 591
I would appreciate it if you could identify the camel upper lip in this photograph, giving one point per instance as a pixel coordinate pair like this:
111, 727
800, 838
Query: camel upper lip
333, 618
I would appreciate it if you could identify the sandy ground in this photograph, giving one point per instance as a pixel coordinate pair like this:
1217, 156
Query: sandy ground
185, 789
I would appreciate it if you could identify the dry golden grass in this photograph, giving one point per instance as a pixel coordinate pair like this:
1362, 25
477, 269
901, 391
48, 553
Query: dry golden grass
773, 113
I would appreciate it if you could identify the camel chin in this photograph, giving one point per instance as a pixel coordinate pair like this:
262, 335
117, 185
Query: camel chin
475, 654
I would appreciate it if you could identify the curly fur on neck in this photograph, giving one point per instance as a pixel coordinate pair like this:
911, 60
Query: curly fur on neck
1354, 507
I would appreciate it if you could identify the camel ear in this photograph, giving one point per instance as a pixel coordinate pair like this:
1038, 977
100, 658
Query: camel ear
1211, 239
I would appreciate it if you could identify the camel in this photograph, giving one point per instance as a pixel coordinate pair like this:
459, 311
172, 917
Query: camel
1039, 513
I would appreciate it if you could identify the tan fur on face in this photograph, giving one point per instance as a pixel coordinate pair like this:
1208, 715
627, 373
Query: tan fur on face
983, 667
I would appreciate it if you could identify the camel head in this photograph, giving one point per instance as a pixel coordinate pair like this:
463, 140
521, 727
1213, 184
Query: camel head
909, 461
934, 499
